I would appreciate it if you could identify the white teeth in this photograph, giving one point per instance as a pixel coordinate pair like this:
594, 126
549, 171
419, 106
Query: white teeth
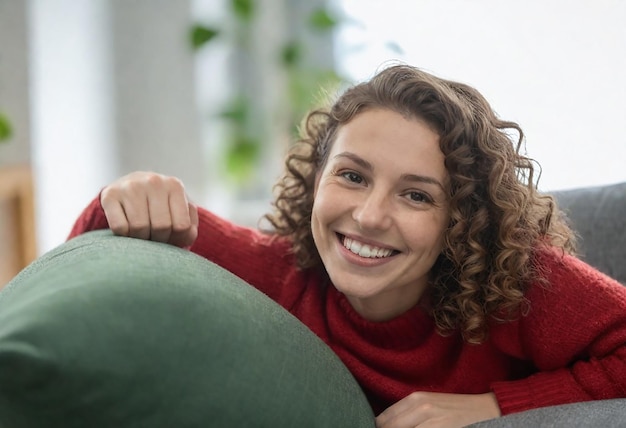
365, 250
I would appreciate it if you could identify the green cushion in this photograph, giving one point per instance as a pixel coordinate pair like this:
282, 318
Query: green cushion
108, 332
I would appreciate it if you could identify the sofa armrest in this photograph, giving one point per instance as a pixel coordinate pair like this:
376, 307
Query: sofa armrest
589, 414
598, 215
106, 331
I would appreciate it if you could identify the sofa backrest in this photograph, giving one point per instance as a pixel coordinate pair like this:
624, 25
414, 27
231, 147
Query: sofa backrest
598, 214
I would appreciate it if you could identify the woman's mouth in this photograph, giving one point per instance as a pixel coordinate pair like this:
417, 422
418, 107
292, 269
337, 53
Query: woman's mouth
366, 250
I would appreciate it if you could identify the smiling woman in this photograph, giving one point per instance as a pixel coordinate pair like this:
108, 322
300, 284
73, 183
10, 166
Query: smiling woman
409, 235
381, 192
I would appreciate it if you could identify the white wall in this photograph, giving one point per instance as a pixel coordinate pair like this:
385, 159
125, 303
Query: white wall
112, 91
72, 119
556, 67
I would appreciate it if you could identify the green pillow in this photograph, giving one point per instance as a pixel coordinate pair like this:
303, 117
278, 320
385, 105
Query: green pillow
106, 331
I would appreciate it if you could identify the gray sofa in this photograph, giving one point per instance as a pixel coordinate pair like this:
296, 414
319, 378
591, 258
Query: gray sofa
598, 214
106, 332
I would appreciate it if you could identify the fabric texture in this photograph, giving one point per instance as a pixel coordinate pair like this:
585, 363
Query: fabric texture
541, 359
117, 332
595, 414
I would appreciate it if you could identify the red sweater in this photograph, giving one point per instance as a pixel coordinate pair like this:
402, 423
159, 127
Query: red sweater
570, 347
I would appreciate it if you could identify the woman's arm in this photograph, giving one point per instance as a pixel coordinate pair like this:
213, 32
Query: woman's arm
575, 335
142, 205
91, 218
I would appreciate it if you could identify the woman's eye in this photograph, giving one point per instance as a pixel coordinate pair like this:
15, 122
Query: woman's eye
352, 177
418, 197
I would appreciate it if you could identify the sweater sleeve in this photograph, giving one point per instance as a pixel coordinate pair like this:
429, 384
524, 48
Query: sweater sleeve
574, 335
92, 218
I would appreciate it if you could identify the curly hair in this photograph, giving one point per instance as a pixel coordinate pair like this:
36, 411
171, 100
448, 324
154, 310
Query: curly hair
498, 218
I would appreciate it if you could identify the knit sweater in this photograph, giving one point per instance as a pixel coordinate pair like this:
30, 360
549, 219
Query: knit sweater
569, 347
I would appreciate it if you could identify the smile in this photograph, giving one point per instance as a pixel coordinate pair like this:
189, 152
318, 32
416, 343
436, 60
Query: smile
365, 250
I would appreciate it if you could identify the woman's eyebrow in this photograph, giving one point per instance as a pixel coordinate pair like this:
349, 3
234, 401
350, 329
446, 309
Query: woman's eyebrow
356, 159
424, 179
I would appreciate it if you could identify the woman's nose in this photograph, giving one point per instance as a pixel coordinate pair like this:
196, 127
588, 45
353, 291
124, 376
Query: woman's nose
373, 212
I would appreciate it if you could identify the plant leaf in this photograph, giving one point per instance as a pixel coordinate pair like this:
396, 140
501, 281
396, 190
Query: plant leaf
237, 111
6, 130
320, 19
199, 35
292, 53
243, 9
242, 157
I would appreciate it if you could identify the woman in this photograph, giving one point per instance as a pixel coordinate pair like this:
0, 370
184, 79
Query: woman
409, 235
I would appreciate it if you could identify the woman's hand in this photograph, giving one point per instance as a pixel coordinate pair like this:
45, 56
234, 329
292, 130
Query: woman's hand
151, 206
430, 409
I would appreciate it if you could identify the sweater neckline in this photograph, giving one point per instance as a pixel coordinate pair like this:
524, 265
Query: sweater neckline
403, 332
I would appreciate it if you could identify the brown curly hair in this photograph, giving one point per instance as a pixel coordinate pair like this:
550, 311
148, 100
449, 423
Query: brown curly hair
497, 216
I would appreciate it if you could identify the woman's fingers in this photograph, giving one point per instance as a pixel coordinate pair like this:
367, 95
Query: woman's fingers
429, 409
115, 215
184, 221
150, 206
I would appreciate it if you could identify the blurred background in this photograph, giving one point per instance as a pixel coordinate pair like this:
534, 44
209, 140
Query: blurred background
212, 91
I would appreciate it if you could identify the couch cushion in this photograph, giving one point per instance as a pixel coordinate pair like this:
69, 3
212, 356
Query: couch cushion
588, 414
598, 214
117, 332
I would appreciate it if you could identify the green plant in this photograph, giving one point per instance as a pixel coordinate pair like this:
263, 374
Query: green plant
6, 130
244, 148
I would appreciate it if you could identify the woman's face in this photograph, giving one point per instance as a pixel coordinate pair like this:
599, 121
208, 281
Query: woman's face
380, 211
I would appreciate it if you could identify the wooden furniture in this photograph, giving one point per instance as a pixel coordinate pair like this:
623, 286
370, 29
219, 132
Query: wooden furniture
17, 221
